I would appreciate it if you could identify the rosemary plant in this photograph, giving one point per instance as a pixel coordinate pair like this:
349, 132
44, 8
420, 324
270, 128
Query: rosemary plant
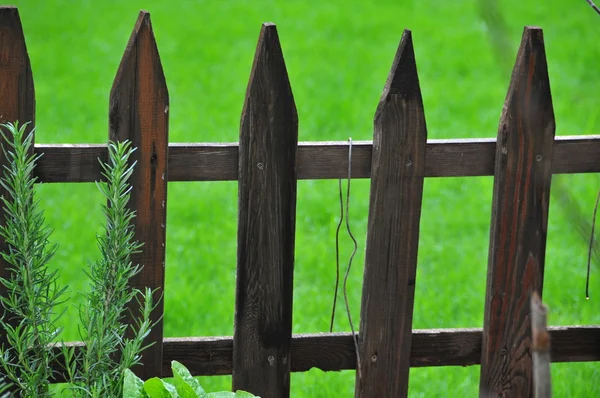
98, 370
32, 291
4, 386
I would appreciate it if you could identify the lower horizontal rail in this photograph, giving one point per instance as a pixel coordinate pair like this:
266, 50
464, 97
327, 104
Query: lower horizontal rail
210, 356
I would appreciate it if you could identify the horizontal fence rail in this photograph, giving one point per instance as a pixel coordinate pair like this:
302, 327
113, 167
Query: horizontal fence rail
315, 160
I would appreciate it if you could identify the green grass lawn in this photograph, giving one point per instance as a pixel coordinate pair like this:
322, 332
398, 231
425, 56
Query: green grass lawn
338, 55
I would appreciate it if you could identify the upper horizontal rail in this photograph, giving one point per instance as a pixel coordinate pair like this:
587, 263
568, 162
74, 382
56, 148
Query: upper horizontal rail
316, 160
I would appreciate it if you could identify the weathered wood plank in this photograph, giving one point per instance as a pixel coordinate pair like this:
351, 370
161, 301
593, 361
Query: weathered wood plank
266, 225
209, 356
70, 162
315, 160
519, 224
17, 102
397, 176
334, 352
139, 104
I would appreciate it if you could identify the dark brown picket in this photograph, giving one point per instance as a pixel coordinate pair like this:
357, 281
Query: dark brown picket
266, 226
139, 112
397, 175
519, 223
17, 99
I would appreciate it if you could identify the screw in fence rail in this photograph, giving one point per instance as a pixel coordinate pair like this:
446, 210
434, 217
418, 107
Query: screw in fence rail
337, 251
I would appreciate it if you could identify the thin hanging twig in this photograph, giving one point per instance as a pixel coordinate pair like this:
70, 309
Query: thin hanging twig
594, 6
589, 262
337, 255
351, 257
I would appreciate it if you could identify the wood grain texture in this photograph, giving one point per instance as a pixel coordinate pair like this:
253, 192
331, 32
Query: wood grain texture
397, 176
17, 94
266, 226
315, 160
519, 224
17, 103
211, 356
139, 104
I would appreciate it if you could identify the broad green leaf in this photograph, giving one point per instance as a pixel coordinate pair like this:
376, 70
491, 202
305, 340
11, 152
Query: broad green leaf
244, 394
238, 393
133, 386
186, 385
157, 388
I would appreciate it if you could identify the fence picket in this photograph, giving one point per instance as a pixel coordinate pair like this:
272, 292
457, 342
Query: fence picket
519, 222
266, 225
139, 112
17, 100
397, 175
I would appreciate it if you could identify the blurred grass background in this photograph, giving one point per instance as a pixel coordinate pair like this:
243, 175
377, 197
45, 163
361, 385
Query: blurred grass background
338, 55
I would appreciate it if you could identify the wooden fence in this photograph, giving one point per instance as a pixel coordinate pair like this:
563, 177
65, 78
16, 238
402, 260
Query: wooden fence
267, 163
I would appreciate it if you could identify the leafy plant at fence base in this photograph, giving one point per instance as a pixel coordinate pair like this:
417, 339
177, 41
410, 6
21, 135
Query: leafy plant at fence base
32, 291
185, 386
99, 369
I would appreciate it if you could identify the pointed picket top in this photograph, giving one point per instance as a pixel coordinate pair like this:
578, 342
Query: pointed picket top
530, 75
269, 78
403, 79
139, 112
141, 53
17, 94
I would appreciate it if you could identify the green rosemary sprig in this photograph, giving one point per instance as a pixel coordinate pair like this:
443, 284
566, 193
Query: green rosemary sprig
4, 386
99, 370
32, 291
